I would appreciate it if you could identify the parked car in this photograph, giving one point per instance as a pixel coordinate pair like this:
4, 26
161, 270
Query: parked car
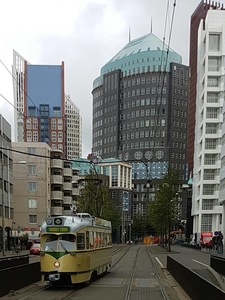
35, 249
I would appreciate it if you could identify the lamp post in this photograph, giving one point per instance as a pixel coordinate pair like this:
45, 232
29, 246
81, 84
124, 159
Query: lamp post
3, 204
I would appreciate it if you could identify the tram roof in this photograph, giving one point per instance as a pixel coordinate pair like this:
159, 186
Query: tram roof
74, 222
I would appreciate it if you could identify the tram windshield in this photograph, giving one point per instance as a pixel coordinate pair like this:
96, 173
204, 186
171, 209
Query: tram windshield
63, 242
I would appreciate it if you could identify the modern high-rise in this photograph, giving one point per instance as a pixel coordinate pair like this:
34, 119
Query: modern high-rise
140, 111
207, 204
41, 104
73, 129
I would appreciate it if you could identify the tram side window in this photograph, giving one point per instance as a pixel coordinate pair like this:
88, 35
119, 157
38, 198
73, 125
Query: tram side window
109, 239
80, 241
101, 239
91, 238
95, 240
105, 240
87, 239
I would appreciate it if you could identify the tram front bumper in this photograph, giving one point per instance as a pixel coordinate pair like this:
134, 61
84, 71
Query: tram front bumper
54, 277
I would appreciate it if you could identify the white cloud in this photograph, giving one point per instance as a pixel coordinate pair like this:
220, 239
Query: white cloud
84, 34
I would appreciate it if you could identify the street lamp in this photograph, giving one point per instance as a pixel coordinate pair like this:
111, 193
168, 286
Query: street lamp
3, 204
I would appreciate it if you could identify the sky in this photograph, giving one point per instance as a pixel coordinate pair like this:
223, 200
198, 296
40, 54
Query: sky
85, 34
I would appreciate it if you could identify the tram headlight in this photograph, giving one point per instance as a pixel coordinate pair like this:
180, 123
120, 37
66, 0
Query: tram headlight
57, 264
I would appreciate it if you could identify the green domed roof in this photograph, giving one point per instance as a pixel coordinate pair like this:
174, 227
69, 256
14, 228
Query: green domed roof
146, 43
146, 53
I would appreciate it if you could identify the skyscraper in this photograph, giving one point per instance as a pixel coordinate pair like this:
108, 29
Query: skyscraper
140, 103
40, 102
73, 129
210, 90
199, 14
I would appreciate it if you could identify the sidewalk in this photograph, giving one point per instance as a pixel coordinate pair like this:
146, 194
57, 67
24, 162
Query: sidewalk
10, 253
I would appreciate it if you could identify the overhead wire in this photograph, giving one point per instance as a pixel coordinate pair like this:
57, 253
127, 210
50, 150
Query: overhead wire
161, 79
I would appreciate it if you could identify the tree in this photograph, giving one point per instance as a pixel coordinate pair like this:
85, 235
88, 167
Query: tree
96, 201
165, 209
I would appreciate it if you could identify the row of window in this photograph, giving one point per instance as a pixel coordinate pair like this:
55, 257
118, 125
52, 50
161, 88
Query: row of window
139, 134
179, 124
178, 145
142, 80
144, 91
179, 134
143, 102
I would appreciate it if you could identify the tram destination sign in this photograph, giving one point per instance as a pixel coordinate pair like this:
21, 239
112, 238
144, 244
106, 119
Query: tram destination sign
58, 229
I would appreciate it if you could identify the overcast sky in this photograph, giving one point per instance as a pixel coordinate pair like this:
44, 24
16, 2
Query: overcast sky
85, 34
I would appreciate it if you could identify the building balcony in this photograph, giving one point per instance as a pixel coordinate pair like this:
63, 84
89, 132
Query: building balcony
56, 179
58, 195
67, 172
75, 192
75, 178
67, 186
67, 200
56, 211
57, 163
67, 212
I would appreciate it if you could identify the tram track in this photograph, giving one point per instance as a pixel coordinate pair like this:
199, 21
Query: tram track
129, 287
164, 293
133, 275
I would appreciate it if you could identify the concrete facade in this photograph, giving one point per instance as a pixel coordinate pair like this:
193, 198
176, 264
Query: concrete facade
6, 181
207, 209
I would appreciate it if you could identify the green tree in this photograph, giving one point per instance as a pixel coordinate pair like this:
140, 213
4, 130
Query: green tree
95, 200
165, 210
139, 227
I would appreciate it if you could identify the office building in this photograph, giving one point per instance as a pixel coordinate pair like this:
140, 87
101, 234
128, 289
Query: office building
73, 129
41, 107
140, 108
207, 202
45, 186
6, 165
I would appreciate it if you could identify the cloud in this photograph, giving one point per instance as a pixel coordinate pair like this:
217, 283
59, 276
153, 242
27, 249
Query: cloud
85, 35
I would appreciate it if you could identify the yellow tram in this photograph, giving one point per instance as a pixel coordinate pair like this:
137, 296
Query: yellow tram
75, 248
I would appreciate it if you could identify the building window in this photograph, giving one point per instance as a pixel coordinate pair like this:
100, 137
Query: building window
208, 189
56, 111
53, 124
214, 42
207, 204
60, 124
210, 143
213, 82
213, 63
32, 186
212, 97
35, 123
29, 136
35, 136
29, 124
54, 136
32, 169
33, 219
211, 112
32, 203
209, 174
206, 224
211, 128
31, 150
60, 137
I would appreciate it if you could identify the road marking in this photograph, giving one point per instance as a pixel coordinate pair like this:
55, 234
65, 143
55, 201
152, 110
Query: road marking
200, 263
159, 262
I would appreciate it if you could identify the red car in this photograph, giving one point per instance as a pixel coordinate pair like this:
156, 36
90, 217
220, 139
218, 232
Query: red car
35, 249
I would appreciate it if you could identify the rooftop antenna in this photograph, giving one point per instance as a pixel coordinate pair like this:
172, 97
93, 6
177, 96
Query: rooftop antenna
151, 26
129, 33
